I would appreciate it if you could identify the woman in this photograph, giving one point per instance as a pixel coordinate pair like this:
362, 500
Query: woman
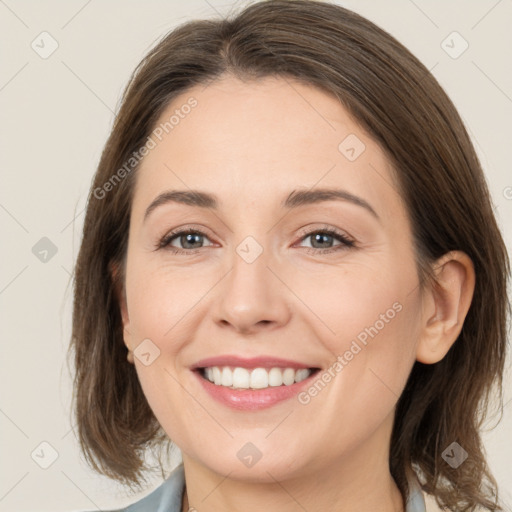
349, 373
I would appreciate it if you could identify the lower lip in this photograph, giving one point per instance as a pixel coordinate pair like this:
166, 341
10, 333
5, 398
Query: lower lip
253, 399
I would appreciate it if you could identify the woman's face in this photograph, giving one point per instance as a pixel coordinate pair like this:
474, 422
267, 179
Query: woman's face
259, 277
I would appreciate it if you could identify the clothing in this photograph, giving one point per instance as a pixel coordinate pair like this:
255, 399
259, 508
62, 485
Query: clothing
168, 497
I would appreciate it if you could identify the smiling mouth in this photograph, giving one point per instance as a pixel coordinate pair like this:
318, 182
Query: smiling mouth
257, 378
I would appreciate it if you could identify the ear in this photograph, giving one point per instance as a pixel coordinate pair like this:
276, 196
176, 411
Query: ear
445, 306
120, 294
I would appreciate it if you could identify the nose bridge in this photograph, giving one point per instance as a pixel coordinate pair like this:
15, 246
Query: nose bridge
251, 295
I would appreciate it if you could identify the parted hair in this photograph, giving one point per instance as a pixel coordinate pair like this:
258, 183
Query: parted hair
395, 98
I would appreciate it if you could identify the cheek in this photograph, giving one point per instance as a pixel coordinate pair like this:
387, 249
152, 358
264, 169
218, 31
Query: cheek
348, 303
159, 300
367, 318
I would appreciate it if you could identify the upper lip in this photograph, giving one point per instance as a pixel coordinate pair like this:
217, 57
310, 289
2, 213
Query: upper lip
252, 362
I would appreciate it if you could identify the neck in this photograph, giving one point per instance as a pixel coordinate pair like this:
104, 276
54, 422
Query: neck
360, 481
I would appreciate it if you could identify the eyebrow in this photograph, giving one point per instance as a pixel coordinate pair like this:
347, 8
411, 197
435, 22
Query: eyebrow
295, 199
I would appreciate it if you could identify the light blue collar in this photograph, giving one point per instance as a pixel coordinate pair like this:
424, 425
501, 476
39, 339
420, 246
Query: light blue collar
415, 503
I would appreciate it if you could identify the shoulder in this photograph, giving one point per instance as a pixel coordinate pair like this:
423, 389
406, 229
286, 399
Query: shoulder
167, 497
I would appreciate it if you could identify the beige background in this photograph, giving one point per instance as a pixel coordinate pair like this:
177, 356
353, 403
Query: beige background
55, 117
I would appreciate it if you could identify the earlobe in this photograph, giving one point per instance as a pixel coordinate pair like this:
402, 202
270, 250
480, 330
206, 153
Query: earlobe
446, 303
123, 308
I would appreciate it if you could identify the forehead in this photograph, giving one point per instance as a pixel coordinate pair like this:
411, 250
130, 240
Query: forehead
257, 141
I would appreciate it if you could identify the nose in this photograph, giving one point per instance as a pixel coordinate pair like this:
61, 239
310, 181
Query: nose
252, 297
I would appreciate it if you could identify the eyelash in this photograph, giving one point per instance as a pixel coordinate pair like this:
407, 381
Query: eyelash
346, 243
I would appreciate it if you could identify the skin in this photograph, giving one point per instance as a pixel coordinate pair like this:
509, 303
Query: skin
251, 144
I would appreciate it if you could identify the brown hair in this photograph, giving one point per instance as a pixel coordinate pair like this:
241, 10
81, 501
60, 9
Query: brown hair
398, 101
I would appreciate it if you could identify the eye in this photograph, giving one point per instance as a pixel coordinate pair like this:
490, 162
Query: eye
190, 240
322, 240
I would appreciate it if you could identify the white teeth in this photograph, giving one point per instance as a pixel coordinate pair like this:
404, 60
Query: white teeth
288, 376
275, 377
258, 378
241, 378
227, 377
217, 377
302, 374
